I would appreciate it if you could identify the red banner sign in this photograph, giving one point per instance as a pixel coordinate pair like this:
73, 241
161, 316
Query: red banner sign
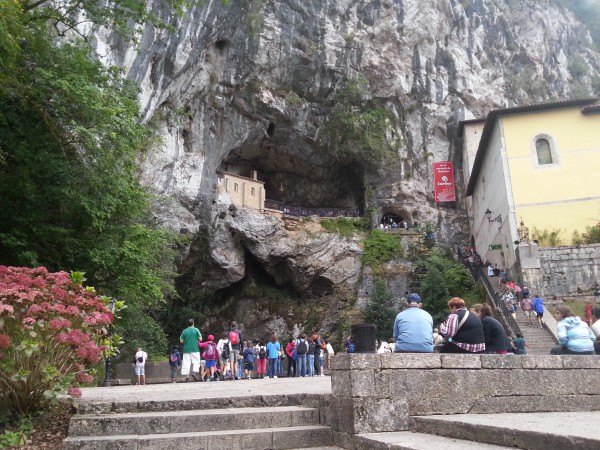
443, 182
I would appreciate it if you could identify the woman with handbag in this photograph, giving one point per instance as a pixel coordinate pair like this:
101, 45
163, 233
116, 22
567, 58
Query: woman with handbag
463, 330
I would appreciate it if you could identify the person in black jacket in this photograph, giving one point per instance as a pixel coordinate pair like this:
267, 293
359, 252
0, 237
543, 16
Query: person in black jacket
463, 330
496, 340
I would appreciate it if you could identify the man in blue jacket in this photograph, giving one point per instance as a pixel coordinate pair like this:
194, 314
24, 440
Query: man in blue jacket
413, 328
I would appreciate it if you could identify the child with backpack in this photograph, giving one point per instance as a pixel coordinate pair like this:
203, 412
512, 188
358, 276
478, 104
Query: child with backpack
249, 357
174, 363
261, 362
225, 352
210, 355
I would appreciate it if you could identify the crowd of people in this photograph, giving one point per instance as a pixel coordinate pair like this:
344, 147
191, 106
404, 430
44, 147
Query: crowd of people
472, 330
233, 358
475, 330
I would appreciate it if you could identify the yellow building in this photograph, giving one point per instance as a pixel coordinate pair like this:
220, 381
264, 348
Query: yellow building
538, 163
243, 191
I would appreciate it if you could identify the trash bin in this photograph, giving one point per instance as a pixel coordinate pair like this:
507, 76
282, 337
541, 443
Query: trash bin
364, 336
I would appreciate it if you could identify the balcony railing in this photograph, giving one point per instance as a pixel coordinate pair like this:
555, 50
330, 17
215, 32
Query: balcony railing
299, 211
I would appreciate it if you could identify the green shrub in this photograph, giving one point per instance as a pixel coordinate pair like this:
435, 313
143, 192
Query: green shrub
592, 235
547, 238
381, 247
343, 226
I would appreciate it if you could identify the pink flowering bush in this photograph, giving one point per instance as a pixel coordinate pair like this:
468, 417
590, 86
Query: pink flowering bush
53, 330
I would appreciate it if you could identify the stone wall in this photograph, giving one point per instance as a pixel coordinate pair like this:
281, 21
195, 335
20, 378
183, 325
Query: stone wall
379, 392
570, 269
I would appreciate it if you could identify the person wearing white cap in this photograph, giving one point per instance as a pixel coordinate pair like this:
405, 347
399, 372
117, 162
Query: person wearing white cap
413, 328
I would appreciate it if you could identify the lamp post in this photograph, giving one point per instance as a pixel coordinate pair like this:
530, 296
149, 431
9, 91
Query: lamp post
111, 306
488, 215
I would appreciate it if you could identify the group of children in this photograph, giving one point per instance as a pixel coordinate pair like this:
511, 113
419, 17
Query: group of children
302, 356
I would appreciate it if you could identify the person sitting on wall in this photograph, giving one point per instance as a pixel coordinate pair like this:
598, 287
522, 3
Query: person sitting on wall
490, 270
496, 340
574, 335
463, 330
413, 328
596, 328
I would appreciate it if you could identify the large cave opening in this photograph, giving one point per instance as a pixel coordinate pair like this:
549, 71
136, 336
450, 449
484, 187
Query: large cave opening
298, 171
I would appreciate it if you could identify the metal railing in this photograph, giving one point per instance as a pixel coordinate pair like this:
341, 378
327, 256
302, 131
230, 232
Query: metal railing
499, 304
477, 273
299, 211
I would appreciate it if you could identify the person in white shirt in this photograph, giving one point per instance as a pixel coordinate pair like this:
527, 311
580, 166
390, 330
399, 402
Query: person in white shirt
224, 362
328, 354
140, 364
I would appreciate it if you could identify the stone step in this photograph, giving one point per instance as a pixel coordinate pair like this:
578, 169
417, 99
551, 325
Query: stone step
161, 422
533, 431
259, 438
407, 440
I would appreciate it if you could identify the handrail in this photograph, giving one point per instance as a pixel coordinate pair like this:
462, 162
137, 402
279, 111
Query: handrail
304, 212
477, 274
500, 306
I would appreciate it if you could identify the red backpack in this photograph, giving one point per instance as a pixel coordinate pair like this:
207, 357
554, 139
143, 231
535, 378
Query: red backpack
234, 337
211, 351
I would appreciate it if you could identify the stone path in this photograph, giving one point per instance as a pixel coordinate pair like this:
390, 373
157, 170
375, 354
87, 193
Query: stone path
215, 389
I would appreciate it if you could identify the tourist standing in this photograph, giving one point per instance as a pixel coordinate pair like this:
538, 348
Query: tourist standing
317, 352
140, 366
273, 348
292, 357
224, 349
463, 330
191, 352
236, 340
302, 350
413, 328
210, 356
538, 307
310, 358
329, 353
526, 307
174, 363
574, 335
261, 362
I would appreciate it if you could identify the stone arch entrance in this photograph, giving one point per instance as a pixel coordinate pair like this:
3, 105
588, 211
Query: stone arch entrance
394, 218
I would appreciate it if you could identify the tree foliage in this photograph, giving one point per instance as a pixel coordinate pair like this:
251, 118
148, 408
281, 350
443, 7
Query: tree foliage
381, 247
380, 311
70, 140
439, 278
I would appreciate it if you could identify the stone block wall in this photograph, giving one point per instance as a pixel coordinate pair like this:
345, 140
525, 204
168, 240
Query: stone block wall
565, 269
379, 392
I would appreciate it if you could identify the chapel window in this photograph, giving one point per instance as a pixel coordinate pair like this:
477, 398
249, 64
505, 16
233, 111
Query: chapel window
235, 187
252, 192
544, 152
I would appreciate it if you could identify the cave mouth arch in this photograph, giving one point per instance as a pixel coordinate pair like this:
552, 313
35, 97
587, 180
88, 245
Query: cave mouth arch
297, 171
391, 216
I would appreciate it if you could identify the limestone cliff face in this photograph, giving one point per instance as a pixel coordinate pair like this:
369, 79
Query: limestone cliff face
253, 85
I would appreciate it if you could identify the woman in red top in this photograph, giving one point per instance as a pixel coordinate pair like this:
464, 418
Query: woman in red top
289, 351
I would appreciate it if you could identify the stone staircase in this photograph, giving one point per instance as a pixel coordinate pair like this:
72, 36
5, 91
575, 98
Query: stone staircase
539, 340
279, 427
534, 431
